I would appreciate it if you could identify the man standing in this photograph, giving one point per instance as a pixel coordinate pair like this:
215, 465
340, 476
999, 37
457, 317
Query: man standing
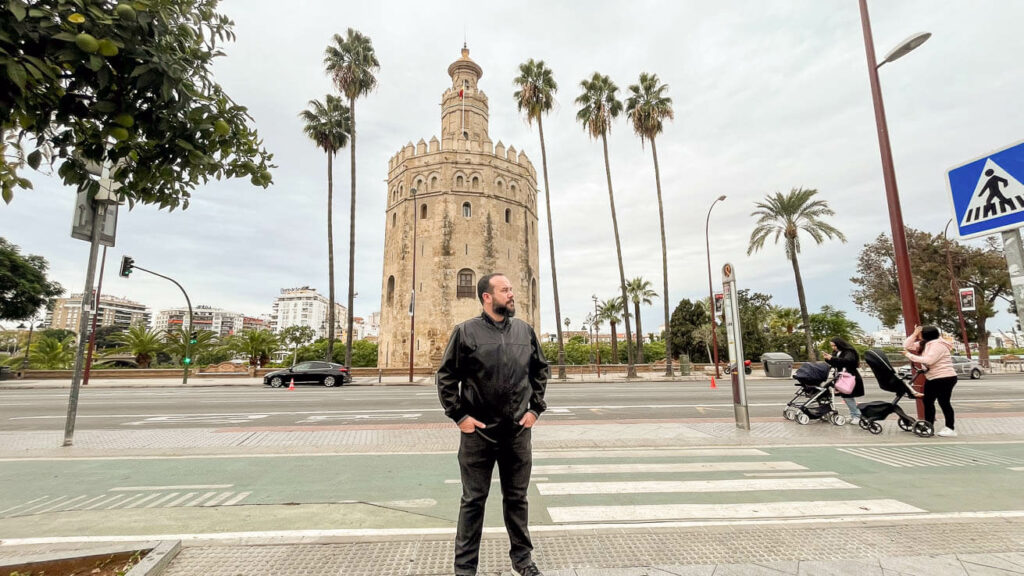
491, 383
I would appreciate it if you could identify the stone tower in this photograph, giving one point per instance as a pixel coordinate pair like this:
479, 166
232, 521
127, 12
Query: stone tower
472, 207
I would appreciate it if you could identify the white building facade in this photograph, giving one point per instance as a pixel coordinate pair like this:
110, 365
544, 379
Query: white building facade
306, 307
222, 322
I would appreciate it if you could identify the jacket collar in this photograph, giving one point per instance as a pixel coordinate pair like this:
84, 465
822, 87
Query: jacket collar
502, 326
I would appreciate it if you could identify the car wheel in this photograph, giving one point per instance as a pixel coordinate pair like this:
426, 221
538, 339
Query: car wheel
276, 382
975, 374
329, 381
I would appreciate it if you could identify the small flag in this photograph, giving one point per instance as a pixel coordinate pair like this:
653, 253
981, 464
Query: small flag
460, 93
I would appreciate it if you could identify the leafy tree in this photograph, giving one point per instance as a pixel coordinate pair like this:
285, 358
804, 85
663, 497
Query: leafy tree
364, 354
207, 342
105, 336
830, 323
85, 73
598, 107
52, 354
755, 315
535, 97
255, 345
686, 319
648, 108
983, 268
296, 336
611, 311
640, 292
57, 333
784, 320
327, 125
784, 216
140, 342
352, 63
23, 282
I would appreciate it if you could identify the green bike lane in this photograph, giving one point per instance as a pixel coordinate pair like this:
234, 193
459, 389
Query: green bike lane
405, 493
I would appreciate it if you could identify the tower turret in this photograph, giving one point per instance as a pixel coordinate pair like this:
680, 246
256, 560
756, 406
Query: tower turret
464, 113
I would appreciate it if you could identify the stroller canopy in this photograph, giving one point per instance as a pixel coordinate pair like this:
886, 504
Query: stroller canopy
887, 378
812, 373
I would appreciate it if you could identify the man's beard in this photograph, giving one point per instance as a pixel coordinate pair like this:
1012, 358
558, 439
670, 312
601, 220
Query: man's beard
508, 311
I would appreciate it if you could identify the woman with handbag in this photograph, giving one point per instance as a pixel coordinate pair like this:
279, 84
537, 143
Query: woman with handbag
845, 357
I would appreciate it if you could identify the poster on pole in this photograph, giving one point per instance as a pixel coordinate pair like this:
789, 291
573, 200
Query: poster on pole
719, 297
967, 300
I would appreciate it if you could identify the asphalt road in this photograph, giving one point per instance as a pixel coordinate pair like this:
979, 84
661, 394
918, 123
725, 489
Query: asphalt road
128, 408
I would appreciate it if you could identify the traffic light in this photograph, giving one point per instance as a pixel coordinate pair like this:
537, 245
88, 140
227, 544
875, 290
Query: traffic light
127, 265
192, 337
186, 360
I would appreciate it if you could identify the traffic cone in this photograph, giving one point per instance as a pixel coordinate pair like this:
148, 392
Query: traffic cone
713, 383
291, 385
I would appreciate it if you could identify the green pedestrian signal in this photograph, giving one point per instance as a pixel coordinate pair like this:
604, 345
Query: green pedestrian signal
187, 360
127, 265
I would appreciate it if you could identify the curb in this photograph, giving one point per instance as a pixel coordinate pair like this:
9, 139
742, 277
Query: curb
158, 556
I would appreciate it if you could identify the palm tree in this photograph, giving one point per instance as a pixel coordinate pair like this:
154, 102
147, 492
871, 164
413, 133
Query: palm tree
784, 216
640, 292
609, 311
784, 319
352, 63
52, 354
647, 108
598, 107
535, 97
140, 342
327, 125
256, 345
175, 342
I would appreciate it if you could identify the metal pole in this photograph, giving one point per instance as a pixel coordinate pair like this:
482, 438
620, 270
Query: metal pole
956, 290
92, 333
185, 334
99, 213
412, 295
28, 345
711, 290
899, 240
597, 338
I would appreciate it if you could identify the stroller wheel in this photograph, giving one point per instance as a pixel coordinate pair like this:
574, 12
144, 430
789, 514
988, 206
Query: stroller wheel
789, 413
906, 425
923, 429
875, 428
803, 418
838, 419
864, 423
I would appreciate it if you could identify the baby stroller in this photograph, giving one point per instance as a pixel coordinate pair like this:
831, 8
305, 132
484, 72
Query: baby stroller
871, 413
814, 399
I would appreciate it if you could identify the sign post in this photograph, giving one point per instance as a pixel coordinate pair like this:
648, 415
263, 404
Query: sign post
988, 196
735, 344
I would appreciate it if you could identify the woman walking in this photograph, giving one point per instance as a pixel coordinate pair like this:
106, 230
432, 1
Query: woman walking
845, 357
925, 347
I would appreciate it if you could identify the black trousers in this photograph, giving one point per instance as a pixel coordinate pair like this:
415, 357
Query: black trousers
513, 452
941, 390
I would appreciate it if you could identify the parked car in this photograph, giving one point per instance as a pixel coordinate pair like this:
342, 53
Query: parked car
319, 373
963, 365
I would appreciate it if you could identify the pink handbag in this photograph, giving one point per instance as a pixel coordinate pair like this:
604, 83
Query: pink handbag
845, 383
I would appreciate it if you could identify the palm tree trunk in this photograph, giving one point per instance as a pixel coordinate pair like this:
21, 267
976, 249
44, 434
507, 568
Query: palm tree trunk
330, 257
639, 335
615, 343
630, 368
551, 246
811, 352
664, 261
351, 234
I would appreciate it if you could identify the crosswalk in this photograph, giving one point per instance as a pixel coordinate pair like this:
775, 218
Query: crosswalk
718, 484
120, 499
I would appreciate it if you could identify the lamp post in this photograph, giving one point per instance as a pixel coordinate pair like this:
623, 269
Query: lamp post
956, 290
597, 335
412, 294
28, 345
711, 290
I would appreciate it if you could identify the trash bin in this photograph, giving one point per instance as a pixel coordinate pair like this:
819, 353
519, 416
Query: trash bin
5, 373
777, 364
685, 366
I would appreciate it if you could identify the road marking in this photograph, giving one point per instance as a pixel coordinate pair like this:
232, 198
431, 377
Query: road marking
199, 499
648, 513
180, 500
673, 453
921, 456
218, 499
1017, 469
184, 487
693, 486
125, 501
146, 499
238, 499
162, 500
60, 505
54, 501
5, 510
677, 467
496, 480
344, 417
791, 474
105, 501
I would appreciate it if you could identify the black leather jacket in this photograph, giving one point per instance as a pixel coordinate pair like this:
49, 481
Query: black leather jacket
501, 369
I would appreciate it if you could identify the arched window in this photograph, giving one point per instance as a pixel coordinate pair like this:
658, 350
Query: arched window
533, 294
508, 215
467, 284
394, 218
513, 188
419, 186
499, 184
391, 290
476, 183
423, 212
433, 183
459, 181
467, 210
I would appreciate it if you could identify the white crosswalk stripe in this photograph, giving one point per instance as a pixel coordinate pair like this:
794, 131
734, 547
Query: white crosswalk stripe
662, 512
693, 486
664, 467
123, 501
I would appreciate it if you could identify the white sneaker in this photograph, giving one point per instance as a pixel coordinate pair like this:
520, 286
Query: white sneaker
947, 432
855, 420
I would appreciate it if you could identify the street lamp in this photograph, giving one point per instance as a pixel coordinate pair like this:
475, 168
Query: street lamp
597, 335
899, 240
31, 326
956, 290
711, 290
412, 295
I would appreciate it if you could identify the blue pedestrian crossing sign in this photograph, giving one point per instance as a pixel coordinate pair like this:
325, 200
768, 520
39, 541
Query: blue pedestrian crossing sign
988, 192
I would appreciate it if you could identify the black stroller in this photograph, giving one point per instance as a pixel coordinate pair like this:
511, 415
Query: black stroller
871, 413
814, 399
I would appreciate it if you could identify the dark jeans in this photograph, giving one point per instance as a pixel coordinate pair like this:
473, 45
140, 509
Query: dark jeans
513, 452
940, 389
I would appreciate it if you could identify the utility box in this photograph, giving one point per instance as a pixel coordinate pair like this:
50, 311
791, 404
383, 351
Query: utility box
777, 364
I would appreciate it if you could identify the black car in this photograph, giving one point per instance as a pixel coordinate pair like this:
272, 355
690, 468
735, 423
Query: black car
319, 373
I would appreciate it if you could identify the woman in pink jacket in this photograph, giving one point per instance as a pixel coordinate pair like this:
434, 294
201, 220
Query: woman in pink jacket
925, 347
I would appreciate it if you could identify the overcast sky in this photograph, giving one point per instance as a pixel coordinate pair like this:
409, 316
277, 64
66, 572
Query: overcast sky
768, 96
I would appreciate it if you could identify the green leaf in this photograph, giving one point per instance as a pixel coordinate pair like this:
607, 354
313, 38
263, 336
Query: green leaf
185, 145
65, 36
105, 106
95, 63
17, 7
16, 72
8, 195
34, 158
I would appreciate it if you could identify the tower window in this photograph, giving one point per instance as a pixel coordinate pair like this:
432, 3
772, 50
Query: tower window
391, 290
423, 212
467, 284
508, 215
433, 183
459, 181
476, 183
467, 210
394, 218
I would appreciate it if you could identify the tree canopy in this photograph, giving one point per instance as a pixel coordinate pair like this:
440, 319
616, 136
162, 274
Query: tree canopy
130, 83
24, 288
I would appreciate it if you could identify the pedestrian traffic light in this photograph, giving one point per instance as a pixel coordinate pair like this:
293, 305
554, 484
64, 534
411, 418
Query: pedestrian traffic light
127, 265
186, 360
192, 337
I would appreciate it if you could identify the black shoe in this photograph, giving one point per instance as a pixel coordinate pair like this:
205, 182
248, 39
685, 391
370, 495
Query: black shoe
530, 570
